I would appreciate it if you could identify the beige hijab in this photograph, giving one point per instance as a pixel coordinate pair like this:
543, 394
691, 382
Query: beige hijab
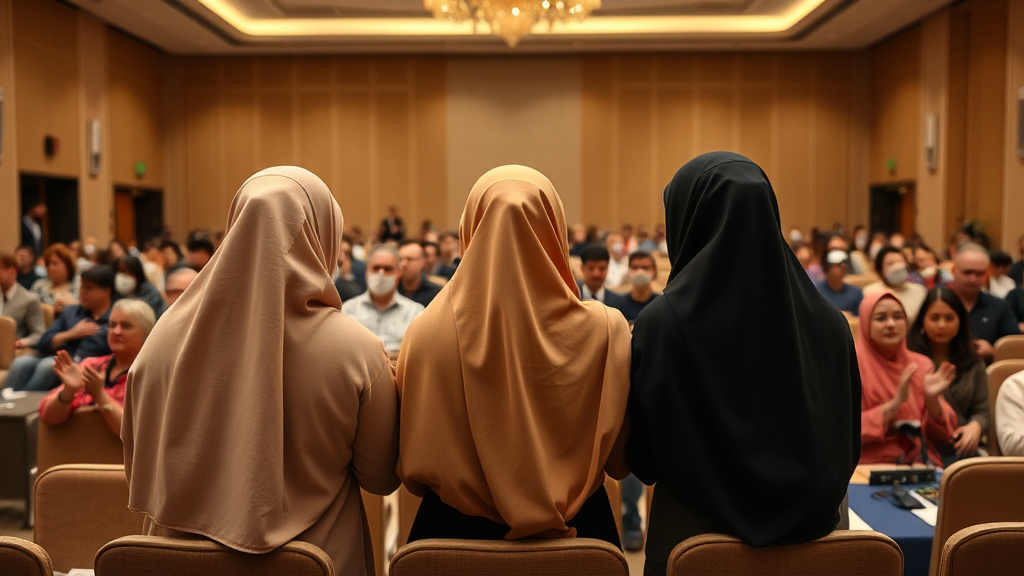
513, 390
236, 424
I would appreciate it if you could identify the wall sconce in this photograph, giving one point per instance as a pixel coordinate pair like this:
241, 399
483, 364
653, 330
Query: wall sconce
931, 141
94, 144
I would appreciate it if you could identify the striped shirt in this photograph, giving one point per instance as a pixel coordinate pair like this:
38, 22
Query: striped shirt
388, 324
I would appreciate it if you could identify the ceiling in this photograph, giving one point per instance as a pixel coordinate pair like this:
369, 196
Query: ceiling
382, 26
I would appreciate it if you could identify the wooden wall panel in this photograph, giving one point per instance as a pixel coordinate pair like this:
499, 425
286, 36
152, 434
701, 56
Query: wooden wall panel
352, 136
10, 209
896, 107
203, 158
239, 154
635, 152
1013, 224
597, 105
792, 178
136, 97
430, 127
393, 140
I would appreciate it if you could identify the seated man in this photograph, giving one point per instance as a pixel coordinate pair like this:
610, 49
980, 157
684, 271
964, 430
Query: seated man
642, 271
177, 282
847, 298
18, 303
414, 284
381, 309
346, 283
26, 258
595, 274
200, 250
81, 331
991, 317
1010, 416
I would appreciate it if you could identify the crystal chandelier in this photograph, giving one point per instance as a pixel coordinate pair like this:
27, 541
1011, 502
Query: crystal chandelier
511, 19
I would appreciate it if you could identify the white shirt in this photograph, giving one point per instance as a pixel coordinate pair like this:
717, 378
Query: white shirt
1000, 287
1010, 416
33, 226
617, 270
388, 324
586, 294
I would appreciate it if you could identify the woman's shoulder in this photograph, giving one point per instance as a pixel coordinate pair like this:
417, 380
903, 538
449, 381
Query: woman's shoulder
96, 362
41, 285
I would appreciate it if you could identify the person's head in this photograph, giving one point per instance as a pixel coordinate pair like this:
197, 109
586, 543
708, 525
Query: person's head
642, 269
37, 211
836, 265
382, 271
925, 261
970, 267
26, 258
449, 246
795, 235
1001, 262
177, 282
944, 324
97, 288
595, 266
8, 271
659, 233
151, 253
616, 245
897, 240
393, 211
91, 248
117, 250
642, 233
891, 266
431, 254
836, 242
410, 260
129, 275
860, 237
578, 234
171, 251
887, 326
804, 254
200, 250
130, 323
60, 264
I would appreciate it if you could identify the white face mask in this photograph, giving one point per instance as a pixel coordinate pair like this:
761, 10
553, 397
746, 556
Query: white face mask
929, 272
896, 276
125, 284
380, 284
618, 248
640, 279
861, 241
89, 250
795, 236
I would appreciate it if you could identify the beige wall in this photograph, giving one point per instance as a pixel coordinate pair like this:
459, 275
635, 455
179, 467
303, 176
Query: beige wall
10, 230
1013, 175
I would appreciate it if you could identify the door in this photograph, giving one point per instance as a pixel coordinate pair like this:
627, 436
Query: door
138, 214
61, 198
893, 208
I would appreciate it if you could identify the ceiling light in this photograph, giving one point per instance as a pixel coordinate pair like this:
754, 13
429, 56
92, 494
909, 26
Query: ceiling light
510, 19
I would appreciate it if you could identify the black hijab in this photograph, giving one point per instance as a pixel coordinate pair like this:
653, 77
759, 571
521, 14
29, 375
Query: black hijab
745, 394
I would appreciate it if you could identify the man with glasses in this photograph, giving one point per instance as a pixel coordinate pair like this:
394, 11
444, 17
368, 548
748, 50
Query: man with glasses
414, 284
177, 282
991, 317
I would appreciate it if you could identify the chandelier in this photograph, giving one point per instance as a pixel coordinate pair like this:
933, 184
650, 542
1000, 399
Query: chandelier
511, 19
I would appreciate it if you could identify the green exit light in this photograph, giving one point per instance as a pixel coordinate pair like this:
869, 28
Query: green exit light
140, 170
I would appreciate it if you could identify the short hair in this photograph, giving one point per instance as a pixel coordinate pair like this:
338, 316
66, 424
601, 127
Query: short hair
62, 252
448, 234
181, 271
1001, 259
595, 253
138, 311
173, 246
101, 276
426, 243
972, 247
880, 258
386, 249
8, 261
643, 255
200, 244
28, 247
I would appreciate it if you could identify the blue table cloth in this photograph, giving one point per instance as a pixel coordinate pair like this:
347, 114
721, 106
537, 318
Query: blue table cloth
913, 535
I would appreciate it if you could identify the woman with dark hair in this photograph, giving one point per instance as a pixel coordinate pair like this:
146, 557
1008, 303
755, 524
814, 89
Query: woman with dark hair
942, 332
131, 282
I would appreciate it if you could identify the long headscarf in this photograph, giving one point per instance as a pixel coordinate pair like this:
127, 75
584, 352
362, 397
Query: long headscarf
513, 390
745, 393
228, 430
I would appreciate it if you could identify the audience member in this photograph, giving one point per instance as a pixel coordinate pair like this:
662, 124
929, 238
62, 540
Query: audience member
513, 391
795, 236
199, 251
431, 255
1016, 271
302, 412
1010, 416
100, 380
926, 263
642, 271
846, 297
346, 284
836, 241
32, 227
860, 238
661, 247
381, 309
413, 283
25, 256
577, 240
893, 271
90, 254
999, 283
629, 241
449, 258
805, 255
991, 318
942, 332
130, 282
1015, 300
595, 273
173, 258
690, 375
618, 261
391, 228
60, 288
80, 330
153, 264
20, 305
897, 240
177, 282
902, 393
116, 251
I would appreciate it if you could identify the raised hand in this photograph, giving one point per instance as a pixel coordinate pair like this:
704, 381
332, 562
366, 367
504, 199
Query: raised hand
93, 381
84, 328
937, 381
68, 372
903, 390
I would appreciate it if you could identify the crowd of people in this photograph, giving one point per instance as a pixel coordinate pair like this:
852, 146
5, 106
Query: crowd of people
501, 370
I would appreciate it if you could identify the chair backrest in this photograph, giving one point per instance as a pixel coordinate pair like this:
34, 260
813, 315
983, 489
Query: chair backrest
79, 508
84, 439
439, 280
1009, 348
997, 373
860, 280
8, 334
854, 325
48, 314
23, 558
447, 557
977, 491
841, 553
134, 555
373, 505
995, 549
614, 490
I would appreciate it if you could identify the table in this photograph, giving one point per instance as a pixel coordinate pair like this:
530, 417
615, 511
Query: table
19, 421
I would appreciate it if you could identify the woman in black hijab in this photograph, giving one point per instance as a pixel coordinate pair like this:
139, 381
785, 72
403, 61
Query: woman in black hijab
745, 398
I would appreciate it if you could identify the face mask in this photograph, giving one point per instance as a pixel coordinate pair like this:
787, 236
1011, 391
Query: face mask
795, 236
89, 250
860, 242
873, 252
929, 272
124, 284
896, 276
640, 279
380, 284
618, 247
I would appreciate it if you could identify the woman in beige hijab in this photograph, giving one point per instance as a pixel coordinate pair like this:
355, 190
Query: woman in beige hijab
513, 390
256, 409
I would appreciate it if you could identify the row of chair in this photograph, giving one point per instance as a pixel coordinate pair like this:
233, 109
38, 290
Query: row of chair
9, 333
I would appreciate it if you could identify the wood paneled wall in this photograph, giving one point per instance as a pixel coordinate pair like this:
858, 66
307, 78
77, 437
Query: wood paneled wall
896, 107
1013, 175
644, 116
10, 210
136, 96
373, 128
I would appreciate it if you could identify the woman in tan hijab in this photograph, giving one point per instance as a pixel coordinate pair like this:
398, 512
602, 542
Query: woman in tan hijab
513, 390
256, 409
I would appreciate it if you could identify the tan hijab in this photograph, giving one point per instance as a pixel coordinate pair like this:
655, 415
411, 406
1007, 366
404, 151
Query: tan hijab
237, 424
513, 390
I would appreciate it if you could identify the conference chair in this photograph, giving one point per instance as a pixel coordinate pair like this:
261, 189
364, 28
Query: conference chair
374, 508
22, 558
8, 334
160, 556
860, 280
84, 439
1009, 348
439, 280
48, 315
448, 557
998, 372
995, 549
79, 508
977, 491
841, 553
854, 325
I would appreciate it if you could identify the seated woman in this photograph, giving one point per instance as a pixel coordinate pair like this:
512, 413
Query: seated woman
891, 266
902, 405
747, 431
942, 332
100, 380
257, 410
60, 287
513, 390
130, 282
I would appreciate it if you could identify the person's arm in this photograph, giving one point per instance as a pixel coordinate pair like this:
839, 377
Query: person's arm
1010, 416
375, 449
93, 376
1007, 321
58, 406
45, 344
980, 410
35, 323
85, 327
110, 409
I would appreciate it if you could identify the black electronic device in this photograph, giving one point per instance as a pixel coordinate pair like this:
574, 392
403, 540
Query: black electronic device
902, 475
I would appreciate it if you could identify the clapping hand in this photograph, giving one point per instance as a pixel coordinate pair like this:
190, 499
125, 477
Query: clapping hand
903, 389
68, 372
936, 382
93, 382
966, 439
